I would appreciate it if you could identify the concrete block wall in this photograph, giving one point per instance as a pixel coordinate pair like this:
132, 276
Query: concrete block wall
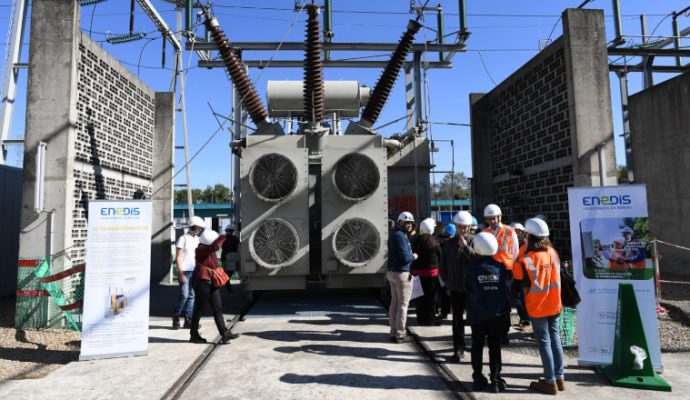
660, 133
102, 127
537, 132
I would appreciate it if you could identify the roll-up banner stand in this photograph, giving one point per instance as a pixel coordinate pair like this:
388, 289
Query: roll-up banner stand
611, 244
116, 283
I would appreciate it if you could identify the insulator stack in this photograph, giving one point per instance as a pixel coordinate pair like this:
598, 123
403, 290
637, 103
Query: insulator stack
314, 101
250, 98
385, 84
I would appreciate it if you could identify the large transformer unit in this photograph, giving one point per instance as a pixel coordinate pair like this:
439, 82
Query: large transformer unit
315, 205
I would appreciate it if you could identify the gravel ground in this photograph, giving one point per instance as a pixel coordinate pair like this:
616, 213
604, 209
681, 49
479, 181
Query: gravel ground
21, 350
30, 353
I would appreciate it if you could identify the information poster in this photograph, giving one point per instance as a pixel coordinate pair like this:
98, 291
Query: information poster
611, 244
116, 283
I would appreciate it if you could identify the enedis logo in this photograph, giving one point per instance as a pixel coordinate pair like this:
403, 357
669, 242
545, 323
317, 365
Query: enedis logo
612, 200
120, 211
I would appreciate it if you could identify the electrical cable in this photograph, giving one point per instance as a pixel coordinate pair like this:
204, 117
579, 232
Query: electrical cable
485, 68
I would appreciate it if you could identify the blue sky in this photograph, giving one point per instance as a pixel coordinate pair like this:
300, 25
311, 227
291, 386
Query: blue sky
505, 35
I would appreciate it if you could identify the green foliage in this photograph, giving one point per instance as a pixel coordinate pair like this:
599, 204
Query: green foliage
622, 174
218, 193
449, 188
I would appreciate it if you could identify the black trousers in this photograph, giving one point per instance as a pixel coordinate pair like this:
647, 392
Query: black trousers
458, 300
443, 302
494, 329
519, 297
205, 293
425, 306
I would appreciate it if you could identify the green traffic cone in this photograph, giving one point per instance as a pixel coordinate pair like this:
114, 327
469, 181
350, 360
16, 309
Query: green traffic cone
632, 364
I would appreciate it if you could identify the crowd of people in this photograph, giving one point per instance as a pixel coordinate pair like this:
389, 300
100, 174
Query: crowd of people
477, 275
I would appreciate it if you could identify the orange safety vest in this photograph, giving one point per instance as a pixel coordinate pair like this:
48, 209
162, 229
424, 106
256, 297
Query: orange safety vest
504, 237
543, 269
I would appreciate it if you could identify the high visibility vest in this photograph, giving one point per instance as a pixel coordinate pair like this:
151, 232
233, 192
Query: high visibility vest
504, 237
543, 270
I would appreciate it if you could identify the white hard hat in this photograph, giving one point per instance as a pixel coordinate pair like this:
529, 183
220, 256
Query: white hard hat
463, 218
627, 229
427, 226
230, 227
208, 237
492, 210
537, 227
196, 221
517, 226
485, 244
406, 216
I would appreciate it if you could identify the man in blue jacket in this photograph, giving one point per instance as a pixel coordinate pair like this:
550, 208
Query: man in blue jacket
488, 310
400, 259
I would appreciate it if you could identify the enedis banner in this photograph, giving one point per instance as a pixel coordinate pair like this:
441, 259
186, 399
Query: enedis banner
611, 244
117, 278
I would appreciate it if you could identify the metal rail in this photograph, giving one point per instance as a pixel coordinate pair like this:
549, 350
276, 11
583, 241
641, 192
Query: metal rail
333, 46
326, 64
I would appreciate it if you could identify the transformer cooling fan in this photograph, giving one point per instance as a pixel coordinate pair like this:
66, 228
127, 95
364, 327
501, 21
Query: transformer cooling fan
273, 177
356, 177
274, 243
356, 242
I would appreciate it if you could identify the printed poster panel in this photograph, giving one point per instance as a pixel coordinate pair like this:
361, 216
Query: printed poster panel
611, 244
116, 282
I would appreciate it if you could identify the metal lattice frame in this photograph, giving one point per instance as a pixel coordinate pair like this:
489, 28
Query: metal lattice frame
356, 241
273, 177
274, 243
356, 177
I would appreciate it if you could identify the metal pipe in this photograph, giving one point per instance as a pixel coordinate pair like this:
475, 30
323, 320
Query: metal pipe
676, 38
39, 183
618, 23
439, 29
333, 46
646, 71
327, 26
392, 144
131, 17
602, 164
623, 80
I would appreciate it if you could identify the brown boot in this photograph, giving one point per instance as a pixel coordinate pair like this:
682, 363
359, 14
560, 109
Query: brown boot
559, 383
543, 387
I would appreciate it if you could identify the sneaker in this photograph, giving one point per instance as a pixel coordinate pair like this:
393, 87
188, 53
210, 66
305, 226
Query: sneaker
544, 387
196, 338
500, 384
403, 339
455, 358
228, 336
560, 384
176, 322
493, 387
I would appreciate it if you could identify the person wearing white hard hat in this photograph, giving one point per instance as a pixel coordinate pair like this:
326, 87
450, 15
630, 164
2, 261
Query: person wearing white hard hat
206, 292
400, 257
229, 254
488, 310
508, 245
457, 254
184, 258
427, 247
539, 273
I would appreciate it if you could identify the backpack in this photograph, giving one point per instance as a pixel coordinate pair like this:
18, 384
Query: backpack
569, 295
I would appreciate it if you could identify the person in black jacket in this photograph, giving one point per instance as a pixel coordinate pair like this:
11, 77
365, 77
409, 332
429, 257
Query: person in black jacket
426, 246
457, 254
400, 258
488, 310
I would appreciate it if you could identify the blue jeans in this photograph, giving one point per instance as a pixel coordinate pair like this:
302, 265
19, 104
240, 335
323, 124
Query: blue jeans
550, 349
185, 302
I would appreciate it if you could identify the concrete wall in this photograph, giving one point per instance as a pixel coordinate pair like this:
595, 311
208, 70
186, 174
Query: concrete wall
10, 204
537, 132
660, 133
99, 123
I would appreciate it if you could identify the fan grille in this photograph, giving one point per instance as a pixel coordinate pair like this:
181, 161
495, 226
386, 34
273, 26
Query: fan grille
274, 243
356, 177
356, 242
273, 177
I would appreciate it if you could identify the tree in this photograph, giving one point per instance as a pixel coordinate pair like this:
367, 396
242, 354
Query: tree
448, 188
181, 195
217, 193
622, 174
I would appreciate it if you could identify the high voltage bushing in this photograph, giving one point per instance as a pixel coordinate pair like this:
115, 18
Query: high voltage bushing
313, 70
247, 91
385, 84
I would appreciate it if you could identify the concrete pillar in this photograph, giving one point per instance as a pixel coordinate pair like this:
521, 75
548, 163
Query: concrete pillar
589, 96
482, 169
163, 234
51, 118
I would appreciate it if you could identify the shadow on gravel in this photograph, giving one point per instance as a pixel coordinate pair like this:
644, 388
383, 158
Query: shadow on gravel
419, 382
